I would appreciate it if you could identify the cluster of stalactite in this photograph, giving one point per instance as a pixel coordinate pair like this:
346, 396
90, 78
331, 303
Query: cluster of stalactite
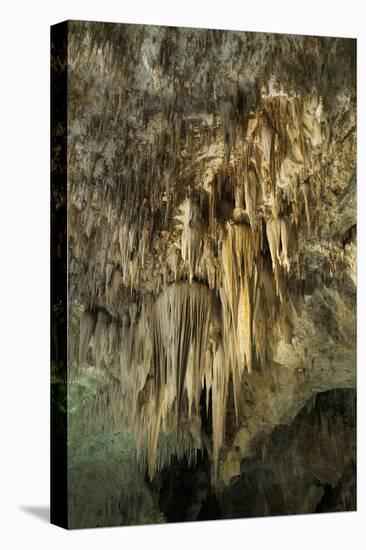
194, 225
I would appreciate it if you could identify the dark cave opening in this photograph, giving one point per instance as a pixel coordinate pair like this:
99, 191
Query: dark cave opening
309, 466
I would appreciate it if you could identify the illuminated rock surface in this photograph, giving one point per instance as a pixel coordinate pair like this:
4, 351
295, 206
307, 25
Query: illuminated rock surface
212, 274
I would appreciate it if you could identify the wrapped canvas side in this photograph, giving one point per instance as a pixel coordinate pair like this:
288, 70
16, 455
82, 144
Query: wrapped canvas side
59, 513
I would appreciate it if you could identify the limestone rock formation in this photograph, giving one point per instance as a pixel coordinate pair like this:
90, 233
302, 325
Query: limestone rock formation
212, 273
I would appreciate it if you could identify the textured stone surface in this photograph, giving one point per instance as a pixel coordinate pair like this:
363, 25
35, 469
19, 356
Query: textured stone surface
212, 270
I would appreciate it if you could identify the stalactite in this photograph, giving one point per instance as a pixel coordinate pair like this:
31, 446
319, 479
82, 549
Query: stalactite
198, 272
87, 325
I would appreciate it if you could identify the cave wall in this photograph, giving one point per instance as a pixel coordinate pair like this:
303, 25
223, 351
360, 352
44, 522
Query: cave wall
211, 271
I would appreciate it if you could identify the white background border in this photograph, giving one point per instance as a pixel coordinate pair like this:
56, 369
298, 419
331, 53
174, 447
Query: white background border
24, 272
